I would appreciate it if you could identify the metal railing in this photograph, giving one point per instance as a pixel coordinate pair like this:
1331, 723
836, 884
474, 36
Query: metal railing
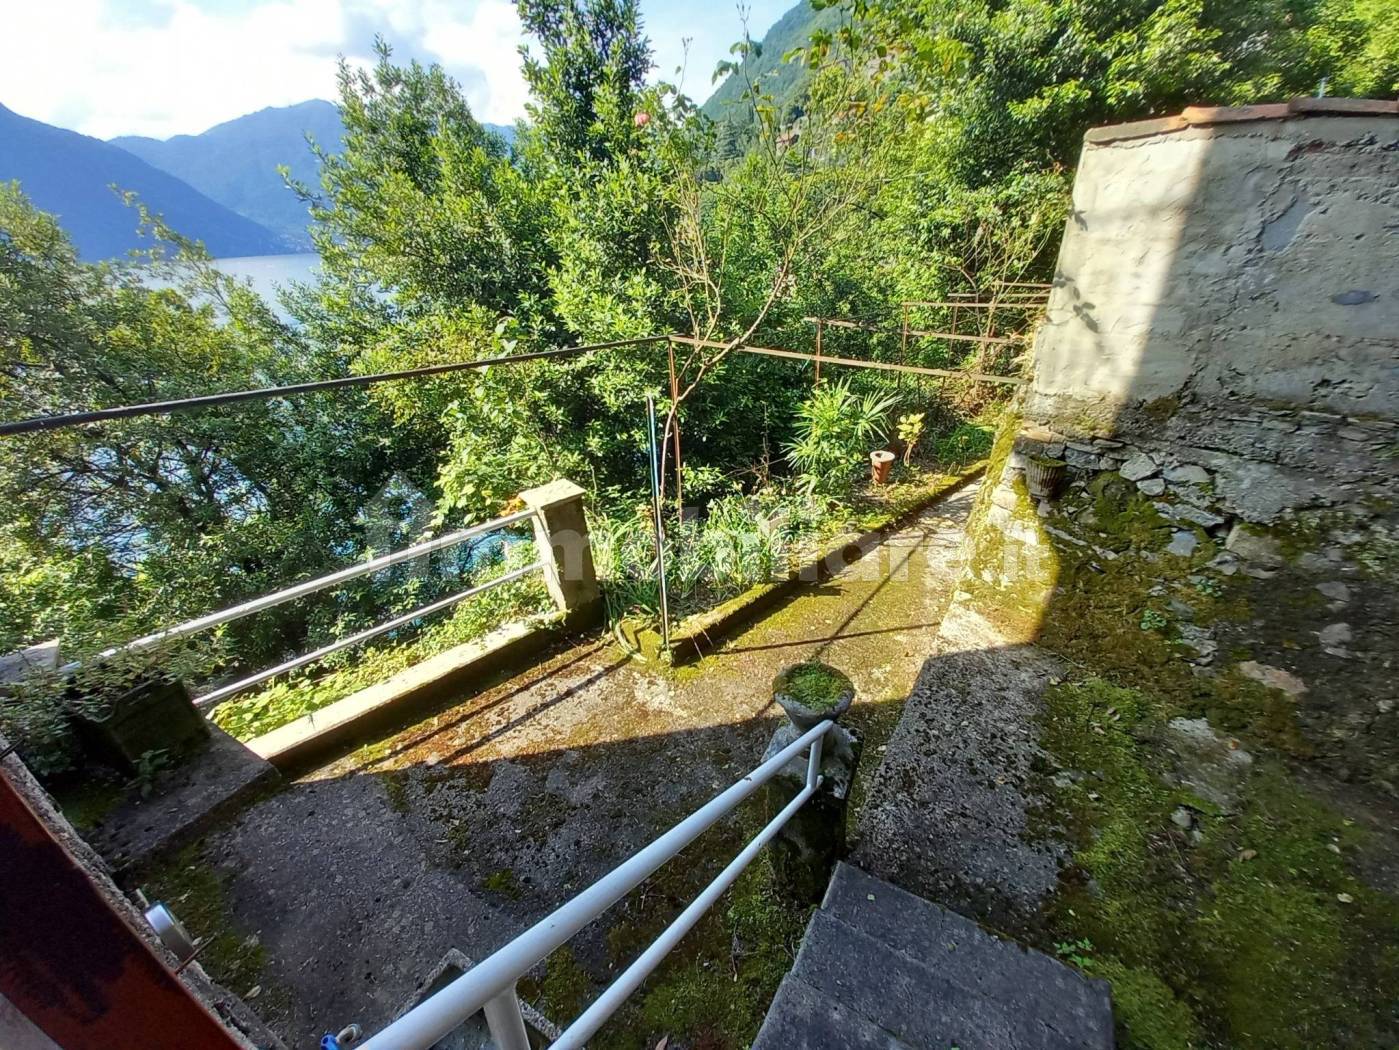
489, 986
335, 579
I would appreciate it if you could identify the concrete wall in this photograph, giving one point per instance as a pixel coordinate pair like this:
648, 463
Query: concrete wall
1220, 371
1245, 263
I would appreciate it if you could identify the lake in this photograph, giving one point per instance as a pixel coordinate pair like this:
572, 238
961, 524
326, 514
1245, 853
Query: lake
269, 272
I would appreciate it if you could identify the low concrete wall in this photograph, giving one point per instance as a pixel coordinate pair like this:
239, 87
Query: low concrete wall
385, 703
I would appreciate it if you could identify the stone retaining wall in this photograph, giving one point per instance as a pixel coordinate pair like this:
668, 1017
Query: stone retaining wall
1219, 369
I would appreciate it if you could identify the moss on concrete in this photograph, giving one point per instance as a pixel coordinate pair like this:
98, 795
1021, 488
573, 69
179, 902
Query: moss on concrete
396, 791
504, 883
1254, 932
197, 894
563, 991
713, 990
90, 800
715, 994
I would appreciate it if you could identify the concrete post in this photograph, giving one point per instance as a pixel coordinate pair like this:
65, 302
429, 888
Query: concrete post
561, 535
805, 851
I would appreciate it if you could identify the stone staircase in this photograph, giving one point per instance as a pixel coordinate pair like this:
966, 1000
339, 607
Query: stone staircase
881, 969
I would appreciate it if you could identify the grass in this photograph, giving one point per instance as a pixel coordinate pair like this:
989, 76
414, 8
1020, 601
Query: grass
813, 685
300, 693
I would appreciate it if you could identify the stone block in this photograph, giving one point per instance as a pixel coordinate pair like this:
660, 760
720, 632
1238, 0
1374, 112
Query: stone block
1213, 767
1187, 474
1138, 467
1151, 487
1254, 547
561, 536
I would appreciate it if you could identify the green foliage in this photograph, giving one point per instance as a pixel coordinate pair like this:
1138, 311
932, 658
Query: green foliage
965, 443
835, 431
740, 542
1016, 84
322, 684
149, 766
814, 685
910, 431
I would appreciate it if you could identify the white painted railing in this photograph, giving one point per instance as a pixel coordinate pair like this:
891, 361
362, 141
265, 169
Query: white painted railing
489, 986
335, 579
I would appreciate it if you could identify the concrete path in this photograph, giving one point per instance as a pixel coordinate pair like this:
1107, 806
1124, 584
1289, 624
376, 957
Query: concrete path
951, 806
455, 833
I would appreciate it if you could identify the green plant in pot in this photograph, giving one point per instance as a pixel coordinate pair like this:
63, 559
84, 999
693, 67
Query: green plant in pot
813, 692
132, 705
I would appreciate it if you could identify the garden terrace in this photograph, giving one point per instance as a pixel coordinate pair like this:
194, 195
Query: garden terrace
462, 828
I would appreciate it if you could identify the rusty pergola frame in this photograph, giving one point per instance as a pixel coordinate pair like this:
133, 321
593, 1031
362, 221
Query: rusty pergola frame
1018, 296
850, 362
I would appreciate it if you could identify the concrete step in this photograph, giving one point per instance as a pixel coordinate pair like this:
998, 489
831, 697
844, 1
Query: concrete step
802, 1018
1026, 981
912, 1002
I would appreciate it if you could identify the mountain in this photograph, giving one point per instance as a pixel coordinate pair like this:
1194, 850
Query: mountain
784, 81
236, 162
70, 175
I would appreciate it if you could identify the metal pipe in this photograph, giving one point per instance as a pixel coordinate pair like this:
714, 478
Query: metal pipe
999, 304
813, 764
505, 1021
616, 994
922, 333
300, 590
157, 408
432, 1019
217, 696
660, 526
794, 355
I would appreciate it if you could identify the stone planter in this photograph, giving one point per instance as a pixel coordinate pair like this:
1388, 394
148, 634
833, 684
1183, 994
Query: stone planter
798, 713
881, 463
1044, 476
157, 714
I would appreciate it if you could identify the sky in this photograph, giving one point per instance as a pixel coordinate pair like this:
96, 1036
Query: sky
168, 67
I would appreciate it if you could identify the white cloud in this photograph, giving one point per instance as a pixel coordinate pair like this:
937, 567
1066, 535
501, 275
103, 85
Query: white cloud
109, 67
166, 67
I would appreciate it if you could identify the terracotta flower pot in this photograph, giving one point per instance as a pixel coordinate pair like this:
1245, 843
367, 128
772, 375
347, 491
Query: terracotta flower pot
881, 462
1043, 476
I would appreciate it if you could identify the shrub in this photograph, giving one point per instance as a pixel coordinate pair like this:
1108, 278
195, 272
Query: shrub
835, 430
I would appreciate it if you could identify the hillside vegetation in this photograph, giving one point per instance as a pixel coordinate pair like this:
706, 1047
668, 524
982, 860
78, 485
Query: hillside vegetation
919, 149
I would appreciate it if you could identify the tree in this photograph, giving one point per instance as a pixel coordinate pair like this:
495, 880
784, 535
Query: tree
117, 529
589, 77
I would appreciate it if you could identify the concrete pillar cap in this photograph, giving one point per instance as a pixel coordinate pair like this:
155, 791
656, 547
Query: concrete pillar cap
560, 490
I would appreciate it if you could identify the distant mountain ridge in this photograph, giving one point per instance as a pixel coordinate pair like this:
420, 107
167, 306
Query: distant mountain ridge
784, 81
235, 163
71, 175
